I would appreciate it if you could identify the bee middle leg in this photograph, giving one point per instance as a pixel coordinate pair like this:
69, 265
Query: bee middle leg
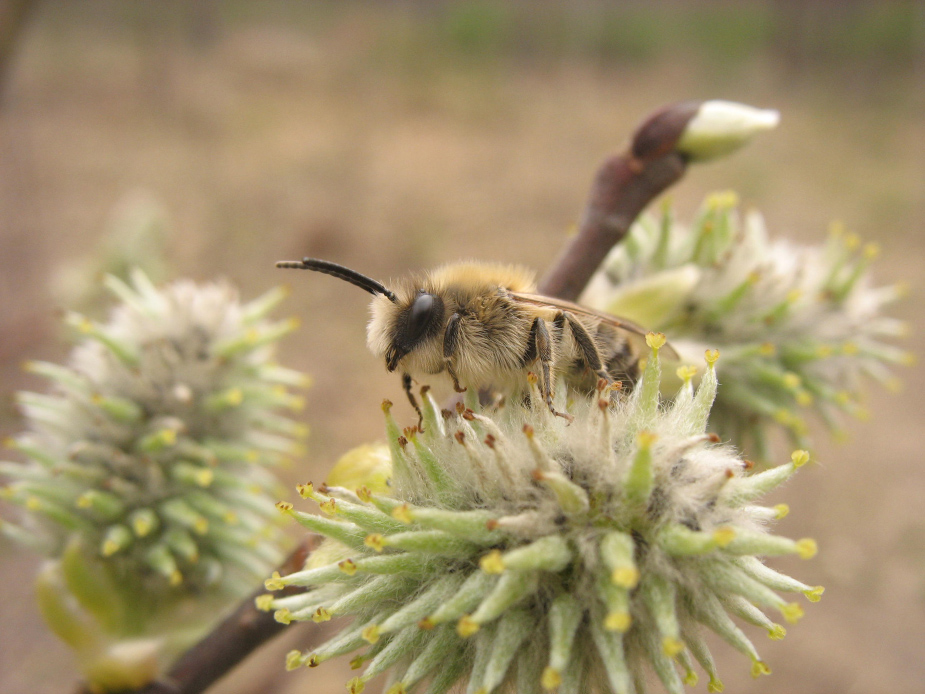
543, 344
587, 346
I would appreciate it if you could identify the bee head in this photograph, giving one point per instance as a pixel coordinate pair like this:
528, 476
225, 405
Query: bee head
397, 326
418, 321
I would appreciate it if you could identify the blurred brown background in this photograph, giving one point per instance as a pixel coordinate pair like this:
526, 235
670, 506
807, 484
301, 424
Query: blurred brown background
397, 135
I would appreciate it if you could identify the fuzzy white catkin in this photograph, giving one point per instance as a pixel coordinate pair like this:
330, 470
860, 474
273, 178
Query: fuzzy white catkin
799, 326
147, 481
517, 553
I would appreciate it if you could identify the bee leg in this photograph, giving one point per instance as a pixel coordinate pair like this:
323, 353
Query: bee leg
450, 343
406, 384
588, 347
544, 354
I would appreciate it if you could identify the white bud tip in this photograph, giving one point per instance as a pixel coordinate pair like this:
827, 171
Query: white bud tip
721, 127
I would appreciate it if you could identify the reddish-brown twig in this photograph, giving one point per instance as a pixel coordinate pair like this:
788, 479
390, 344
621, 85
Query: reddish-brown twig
624, 185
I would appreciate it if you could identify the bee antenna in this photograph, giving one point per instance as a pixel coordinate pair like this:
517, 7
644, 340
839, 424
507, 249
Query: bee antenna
345, 273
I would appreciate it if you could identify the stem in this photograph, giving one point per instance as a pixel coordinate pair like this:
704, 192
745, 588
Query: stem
624, 185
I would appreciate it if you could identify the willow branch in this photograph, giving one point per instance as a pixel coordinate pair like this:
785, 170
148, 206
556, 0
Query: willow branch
624, 186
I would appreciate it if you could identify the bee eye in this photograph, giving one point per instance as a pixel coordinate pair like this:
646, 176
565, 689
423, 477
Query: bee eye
423, 311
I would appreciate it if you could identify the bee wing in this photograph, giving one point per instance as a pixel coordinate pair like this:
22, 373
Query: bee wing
634, 333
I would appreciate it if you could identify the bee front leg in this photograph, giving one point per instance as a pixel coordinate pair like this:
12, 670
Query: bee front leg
587, 346
406, 384
450, 343
543, 344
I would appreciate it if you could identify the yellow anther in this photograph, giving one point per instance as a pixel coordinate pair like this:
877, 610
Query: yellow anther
852, 241
691, 679
793, 296
783, 416
328, 507
33, 503
264, 602
176, 578
908, 359
871, 250
201, 526
426, 624
283, 616
84, 501
550, 679
625, 576
357, 663
296, 403
799, 458
492, 563
824, 351
671, 646
348, 566
204, 477
759, 667
711, 355
397, 688
322, 614
402, 513
814, 594
843, 397
364, 494
110, 547
792, 380
306, 490
283, 506
618, 621
275, 582
356, 685
465, 627
374, 541
807, 548
371, 633
655, 340
767, 349
792, 612
724, 535
777, 632
293, 660
645, 439
686, 373
781, 511
803, 397
714, 686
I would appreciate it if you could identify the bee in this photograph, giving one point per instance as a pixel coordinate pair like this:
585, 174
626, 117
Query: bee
483, 324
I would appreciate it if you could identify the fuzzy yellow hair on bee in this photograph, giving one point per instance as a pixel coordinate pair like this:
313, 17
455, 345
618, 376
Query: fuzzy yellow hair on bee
482, 324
